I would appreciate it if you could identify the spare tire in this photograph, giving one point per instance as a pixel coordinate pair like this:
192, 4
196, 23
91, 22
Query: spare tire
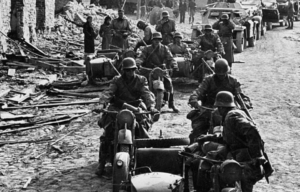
162, 143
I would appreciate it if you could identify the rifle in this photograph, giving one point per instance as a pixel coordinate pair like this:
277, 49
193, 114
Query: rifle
243, 106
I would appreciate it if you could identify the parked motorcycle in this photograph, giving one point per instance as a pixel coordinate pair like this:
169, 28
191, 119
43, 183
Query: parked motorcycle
225, 176
126, 130
204, 63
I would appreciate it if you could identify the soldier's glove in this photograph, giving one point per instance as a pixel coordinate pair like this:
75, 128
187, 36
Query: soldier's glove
204, 138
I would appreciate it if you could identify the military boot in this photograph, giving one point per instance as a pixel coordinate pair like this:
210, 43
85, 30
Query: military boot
172, 104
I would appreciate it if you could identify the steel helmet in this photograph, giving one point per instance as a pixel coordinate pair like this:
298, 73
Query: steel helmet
224, 99
157, 35
129, 63
165, 14
177, 34
141, 24
221, 67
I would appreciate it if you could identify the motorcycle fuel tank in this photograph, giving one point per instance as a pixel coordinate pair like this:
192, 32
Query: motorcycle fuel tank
157, 182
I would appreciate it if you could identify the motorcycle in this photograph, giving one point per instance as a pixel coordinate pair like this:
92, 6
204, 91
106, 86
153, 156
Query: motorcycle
158, 83
204, 63
126, 130
225, 176
185, 67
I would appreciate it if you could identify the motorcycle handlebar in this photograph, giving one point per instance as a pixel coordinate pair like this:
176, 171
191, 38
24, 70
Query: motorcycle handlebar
116, 112
186, 154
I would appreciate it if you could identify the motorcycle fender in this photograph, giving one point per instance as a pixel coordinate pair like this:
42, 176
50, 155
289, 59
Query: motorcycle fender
125, 137
158, 84
229, 189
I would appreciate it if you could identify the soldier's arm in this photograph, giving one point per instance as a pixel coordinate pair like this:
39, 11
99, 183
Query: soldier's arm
237, 87
219, 44
147, 96
158, 26
202, 89
169, 57
142, 58
147, 34
173, 26
108, 94
186, 52
231, 25
247, 128
216, 25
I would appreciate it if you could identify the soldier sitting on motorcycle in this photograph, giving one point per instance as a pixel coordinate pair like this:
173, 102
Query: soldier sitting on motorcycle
129, 88
159, 55
206, 93
209, 41
243, 143
178, 47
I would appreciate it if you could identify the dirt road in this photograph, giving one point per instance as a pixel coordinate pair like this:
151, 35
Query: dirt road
270, 76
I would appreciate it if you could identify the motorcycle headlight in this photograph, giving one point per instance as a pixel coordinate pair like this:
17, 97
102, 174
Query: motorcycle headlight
119, 163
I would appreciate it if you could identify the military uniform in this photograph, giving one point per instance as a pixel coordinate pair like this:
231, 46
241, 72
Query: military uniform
225, 33
244, 143
181, 49
152, 57
202, 119
210, 42
129, 91
166, 29
120, 26
120, 91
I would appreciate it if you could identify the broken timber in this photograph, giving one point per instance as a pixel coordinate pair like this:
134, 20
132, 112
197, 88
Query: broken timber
51, 105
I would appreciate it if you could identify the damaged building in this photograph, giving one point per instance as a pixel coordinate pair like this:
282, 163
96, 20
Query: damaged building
23, 18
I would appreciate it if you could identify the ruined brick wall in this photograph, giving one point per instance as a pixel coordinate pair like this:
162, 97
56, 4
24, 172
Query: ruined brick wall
45, 13
24, 18
5, 7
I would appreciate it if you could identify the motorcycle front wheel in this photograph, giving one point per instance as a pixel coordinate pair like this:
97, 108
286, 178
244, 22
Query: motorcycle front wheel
159, 99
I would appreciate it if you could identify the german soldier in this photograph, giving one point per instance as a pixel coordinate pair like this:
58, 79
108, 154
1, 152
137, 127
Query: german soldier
225, 27
242, 139
166, 27
158, 55
128, 88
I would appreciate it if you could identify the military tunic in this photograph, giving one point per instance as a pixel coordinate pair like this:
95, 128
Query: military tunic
211, 86
179, 49
205, 119
152, 57
244, 143
210, 42
225, 33
166, 29
128, 91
